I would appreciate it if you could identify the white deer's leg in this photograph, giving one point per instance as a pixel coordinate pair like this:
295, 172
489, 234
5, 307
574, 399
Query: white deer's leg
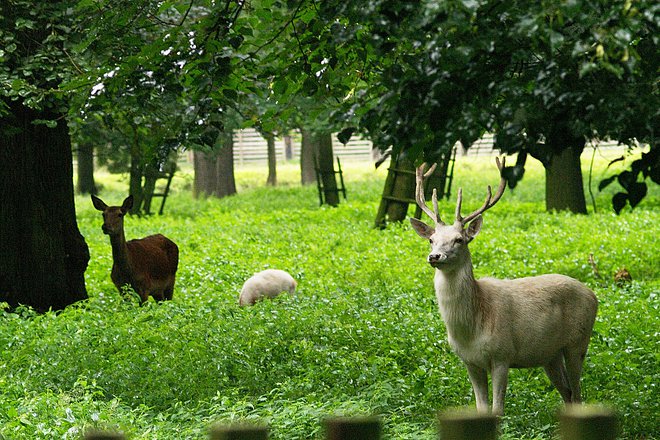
479, 379
500, 378
574, 360
556, 371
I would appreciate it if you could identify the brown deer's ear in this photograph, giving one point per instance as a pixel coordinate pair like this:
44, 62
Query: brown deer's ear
422, 229
474, 227
98, 203
128, 204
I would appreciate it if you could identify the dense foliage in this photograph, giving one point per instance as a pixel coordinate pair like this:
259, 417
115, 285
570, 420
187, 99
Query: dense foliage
362, 335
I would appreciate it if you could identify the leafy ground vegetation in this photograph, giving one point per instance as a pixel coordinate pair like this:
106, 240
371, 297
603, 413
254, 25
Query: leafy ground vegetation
361, 336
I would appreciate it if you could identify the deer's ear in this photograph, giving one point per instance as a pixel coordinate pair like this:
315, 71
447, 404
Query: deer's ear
474, 227
128, 204
98, 203
422, 229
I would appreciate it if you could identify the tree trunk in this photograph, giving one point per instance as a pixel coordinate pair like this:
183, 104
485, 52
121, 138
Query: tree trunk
214, 170
43, 256
226, 184
288, 147
151, 175
402, 189
86, 184
272, 160
308, 149
563, 182
398, 192
205, 175
135, 174
326, 164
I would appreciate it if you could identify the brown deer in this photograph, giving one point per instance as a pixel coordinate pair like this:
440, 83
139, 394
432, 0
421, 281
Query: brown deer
148, 264
494, 325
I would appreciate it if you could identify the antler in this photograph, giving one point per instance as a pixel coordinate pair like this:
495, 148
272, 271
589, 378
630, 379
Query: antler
420, 175
490, 201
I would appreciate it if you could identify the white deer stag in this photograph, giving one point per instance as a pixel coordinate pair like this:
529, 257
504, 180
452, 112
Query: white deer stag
494, 325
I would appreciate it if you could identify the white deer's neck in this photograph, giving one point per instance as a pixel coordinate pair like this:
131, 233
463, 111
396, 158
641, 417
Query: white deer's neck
456, 292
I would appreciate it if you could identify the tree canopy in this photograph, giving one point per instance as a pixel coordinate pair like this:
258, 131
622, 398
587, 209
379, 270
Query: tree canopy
415, 76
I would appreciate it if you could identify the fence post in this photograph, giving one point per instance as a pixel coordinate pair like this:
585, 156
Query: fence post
587, 422
239, 432
352, 428
102, 435
467, 424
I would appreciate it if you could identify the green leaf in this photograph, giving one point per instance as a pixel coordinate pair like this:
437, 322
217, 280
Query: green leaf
230, 94
627, 179
236, 40
619, 201
280, 86
47, 122
345, 135
310, 86
636, 193
605, 182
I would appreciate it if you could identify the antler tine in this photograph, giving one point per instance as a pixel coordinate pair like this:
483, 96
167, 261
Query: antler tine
431, 170
490, 200
419, 193
459, 201
502, 186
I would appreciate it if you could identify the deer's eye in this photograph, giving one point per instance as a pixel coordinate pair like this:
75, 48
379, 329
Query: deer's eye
459, 240
430, 241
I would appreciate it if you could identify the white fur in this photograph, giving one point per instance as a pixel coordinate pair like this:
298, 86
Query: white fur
266, 284
494, 325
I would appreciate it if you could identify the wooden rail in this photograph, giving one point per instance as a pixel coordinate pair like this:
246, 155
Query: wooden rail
577, 422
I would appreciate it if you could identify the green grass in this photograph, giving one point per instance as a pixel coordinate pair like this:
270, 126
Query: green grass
361, 336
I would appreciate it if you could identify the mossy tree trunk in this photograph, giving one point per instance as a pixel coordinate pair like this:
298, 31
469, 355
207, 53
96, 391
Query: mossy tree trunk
43, 256
564, 190
214, 170
85, 182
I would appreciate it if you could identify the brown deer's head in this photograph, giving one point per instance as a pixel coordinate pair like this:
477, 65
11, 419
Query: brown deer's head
113, 216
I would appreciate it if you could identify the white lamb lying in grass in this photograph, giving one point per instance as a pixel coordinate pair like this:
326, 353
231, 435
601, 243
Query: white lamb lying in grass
269, 283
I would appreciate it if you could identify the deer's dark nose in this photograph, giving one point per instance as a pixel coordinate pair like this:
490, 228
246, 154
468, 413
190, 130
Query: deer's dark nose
437, 258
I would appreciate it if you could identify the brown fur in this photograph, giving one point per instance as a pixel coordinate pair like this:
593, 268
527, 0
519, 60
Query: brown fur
148, 265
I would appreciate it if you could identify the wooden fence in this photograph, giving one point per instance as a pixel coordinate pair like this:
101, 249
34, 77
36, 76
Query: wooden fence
576, 422
250, 147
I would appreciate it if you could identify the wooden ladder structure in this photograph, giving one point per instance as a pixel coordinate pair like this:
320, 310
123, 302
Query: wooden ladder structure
341, 188
399, 190
167, 173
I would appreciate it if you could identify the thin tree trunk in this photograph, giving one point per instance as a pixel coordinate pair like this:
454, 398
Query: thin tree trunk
308, 149
288, 147
272, 160
326, 163
43, 256
86, 184
135, 174
564, 189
